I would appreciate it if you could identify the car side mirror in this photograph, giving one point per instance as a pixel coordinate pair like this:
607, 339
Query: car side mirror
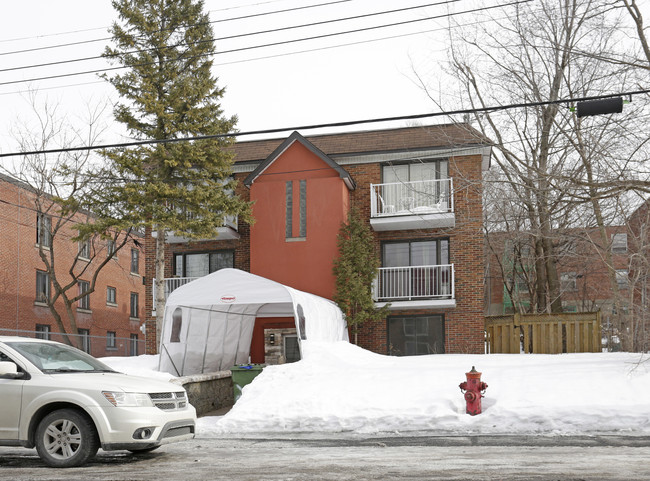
9, 370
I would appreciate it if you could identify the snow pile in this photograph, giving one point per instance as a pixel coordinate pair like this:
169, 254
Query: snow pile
143, 366
339, 387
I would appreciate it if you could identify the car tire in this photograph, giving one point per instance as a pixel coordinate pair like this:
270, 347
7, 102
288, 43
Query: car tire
66, 438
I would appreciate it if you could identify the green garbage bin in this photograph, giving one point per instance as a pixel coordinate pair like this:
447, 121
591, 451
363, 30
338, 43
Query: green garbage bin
242, 375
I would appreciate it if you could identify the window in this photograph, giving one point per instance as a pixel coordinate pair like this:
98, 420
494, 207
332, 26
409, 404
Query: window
110, 248
413, 336
416, 269
302, 210
111, 340
42, 286
133, 345
133, 311
202, 264
621, 278
84, 335
135, 261
417, 185
84, 249
291, 348
44, 230
619, 243
43, 331
177, 323
569, 281
289, 210
84, 302
426, 170
111, 295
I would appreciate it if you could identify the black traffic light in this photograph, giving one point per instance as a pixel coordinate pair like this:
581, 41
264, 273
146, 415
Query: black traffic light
612, 105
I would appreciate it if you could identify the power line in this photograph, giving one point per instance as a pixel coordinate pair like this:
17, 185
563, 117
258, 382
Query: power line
328, 125
274, 44
265, 57
105, 28
243, 17
231, 37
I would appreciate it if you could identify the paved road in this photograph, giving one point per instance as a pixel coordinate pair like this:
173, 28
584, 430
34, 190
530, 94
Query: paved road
358, 458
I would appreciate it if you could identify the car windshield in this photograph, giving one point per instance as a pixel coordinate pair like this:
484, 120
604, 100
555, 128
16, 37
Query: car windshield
58, 358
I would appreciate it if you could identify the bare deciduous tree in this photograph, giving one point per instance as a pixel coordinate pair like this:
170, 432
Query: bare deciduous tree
62, 191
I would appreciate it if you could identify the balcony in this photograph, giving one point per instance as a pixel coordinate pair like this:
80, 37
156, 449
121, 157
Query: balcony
415, 287
171, 284
227, 231
412, 205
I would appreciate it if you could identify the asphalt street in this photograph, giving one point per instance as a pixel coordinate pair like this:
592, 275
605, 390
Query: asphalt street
318, 457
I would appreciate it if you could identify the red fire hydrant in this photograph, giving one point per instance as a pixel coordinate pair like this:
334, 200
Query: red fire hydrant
474, 390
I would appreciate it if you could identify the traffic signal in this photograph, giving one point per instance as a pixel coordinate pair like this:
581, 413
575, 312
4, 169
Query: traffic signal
612, 105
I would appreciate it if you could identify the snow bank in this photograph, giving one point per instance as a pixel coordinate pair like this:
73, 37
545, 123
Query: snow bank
342, 388
143, 366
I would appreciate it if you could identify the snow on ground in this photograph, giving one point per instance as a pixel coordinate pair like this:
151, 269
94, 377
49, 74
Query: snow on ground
340, 387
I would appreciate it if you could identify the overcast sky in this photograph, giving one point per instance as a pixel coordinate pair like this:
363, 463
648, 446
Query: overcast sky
296, 84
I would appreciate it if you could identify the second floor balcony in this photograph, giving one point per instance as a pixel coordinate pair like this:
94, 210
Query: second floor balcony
412, 205
228, 230
171, 284
415, 287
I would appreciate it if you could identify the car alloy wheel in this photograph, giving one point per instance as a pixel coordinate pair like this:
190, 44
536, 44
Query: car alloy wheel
66, 438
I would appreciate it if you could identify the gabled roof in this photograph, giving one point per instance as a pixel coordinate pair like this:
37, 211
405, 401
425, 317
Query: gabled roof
296, 137
371, 141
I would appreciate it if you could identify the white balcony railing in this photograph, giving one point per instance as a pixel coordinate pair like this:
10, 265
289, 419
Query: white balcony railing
408, 198
171, 284
414, 282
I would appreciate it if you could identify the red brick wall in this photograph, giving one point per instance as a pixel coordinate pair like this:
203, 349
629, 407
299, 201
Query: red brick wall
19, 261
463, 324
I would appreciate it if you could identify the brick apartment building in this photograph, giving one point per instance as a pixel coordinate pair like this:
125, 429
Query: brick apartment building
639, 232
108, 320
582, 266
420, 191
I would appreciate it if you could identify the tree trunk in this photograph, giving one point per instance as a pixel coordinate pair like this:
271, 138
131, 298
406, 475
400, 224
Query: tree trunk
160, 281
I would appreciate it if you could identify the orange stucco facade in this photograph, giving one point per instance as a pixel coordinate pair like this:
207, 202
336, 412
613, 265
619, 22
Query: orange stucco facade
300, 261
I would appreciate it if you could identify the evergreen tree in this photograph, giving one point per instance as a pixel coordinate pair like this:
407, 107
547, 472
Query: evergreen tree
168, 92
355, 270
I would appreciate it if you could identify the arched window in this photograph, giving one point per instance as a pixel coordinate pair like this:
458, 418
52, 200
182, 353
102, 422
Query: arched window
301, 323
177, 323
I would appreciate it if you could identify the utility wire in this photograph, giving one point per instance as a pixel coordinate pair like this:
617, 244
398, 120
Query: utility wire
286, 54
284, 42
319, 126
230, 37
106, 28
243, 17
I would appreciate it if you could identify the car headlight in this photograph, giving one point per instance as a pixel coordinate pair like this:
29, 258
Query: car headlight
128, 399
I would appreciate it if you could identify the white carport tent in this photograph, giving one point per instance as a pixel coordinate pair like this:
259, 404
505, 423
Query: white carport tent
208, 323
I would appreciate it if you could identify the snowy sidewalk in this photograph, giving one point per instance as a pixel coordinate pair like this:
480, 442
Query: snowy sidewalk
341, 388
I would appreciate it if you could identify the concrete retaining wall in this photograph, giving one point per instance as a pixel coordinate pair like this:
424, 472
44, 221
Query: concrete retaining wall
208, 392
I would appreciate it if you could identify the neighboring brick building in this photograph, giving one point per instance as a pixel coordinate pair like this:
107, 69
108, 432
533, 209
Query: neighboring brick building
420, 190
582, 264
639, 245
108, 319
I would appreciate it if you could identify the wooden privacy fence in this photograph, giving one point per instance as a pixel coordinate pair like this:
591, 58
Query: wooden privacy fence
544, 333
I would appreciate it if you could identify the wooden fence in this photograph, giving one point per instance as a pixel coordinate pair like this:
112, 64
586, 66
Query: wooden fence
544, 333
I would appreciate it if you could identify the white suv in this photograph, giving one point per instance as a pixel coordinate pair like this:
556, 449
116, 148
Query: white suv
67, 404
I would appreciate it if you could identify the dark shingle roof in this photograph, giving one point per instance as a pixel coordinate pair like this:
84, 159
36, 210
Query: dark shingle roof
350, 143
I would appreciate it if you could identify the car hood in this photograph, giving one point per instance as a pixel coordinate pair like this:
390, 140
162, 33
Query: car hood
113, 381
